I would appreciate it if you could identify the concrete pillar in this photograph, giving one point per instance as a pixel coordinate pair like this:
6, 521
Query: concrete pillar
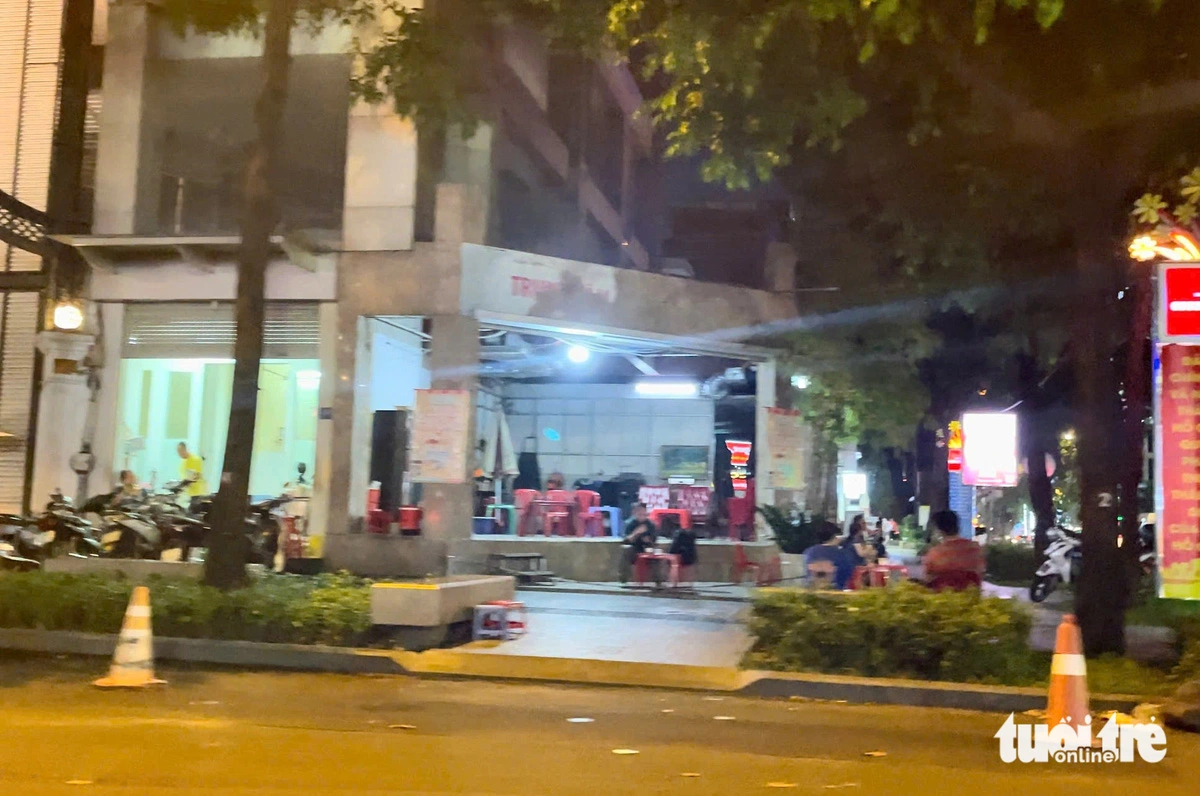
62, 413
107, 443
462, 214
120, 139
341, 519
764, 397
318, 511
780, 268
381, 180
453, 364
363, 419
468, 163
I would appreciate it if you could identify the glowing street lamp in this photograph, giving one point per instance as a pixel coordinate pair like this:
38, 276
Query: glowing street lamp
68, 316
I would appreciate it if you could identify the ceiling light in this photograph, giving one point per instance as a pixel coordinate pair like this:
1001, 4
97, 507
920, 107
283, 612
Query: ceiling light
578, 354
667, 389
308, 379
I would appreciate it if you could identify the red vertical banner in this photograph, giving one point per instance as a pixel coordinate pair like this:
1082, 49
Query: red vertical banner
1179, 463
954, 447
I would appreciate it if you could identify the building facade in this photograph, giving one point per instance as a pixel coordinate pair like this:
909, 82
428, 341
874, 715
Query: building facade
401, 260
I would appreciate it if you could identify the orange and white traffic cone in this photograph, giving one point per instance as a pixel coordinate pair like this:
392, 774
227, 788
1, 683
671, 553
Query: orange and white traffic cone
1068, 701
133, 660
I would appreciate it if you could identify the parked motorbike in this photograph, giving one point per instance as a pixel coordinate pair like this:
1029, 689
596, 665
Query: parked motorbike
1060, 564
20, 543
66, 532
1148, 557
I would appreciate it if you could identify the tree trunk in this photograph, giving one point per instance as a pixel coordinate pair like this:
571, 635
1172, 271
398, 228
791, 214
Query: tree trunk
1041, 493
1100, 180
225, 566
1136, 396
1100, 594
822, 491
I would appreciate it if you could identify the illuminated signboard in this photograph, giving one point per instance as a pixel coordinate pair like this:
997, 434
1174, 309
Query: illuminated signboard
739, 465
989, 456
954, 447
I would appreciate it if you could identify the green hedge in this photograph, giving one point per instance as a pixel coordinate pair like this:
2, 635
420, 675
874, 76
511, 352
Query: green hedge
1011, 563
905, 631
329, 609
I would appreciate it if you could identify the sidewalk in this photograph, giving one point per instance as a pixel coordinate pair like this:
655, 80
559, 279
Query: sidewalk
632, 628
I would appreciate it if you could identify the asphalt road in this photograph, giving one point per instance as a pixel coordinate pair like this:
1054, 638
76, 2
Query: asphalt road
219, 734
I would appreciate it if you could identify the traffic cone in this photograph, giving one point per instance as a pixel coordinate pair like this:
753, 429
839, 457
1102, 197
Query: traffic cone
133, 660
1068, 700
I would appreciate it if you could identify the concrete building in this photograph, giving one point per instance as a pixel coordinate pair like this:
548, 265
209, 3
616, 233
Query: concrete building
401, 261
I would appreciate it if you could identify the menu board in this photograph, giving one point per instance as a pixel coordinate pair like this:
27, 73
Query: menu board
439, 438
1179, 417
789, 448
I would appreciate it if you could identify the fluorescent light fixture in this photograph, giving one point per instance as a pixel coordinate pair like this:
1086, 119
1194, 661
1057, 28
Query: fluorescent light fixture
800, 381
854, 486
667, 389
308, 379
578, 354
580, 332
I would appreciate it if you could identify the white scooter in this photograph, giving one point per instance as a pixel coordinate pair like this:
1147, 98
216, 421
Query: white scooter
1062, 556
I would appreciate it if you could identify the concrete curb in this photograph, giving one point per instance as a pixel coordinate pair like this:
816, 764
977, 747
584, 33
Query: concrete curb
248, 654
465, 663
916, 693
663, 594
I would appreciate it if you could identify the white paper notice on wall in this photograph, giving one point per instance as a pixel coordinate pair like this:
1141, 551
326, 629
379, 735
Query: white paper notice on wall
439, 438
788, 443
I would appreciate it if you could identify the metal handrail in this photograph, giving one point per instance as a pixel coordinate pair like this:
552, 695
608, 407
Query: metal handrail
23, 226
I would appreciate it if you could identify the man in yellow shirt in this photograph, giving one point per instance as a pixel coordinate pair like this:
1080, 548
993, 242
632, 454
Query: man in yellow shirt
192, 469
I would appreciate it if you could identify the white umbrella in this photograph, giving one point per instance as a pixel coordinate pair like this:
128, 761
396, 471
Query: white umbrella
499, 457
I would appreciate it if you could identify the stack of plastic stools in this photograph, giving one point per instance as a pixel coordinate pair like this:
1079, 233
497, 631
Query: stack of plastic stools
500, 619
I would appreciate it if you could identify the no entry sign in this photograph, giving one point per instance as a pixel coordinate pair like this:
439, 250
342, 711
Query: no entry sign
1180, 308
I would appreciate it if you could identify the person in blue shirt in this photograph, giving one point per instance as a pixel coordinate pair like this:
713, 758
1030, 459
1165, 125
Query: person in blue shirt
829, 549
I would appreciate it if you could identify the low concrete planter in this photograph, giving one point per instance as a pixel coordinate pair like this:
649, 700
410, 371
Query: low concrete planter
437, 602
133, 569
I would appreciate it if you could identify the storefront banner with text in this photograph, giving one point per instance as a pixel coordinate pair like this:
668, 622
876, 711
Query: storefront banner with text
1179, 415
439, 443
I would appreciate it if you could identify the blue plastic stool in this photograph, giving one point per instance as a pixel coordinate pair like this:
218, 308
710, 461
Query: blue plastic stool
509, 513
614, 520
495, 620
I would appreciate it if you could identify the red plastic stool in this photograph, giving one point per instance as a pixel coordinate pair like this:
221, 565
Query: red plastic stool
379, 521
518, 626
410, 520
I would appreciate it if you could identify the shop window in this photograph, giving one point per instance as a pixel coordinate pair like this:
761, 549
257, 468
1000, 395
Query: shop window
188, 400
179, 404
308, 385
143, 426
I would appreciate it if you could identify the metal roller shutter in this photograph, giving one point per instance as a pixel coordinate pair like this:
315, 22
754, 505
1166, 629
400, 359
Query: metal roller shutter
18, 331
179, 331
29, 75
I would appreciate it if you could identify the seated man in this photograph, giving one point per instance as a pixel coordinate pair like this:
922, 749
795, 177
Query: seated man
640, 536
828, 550
955, 563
